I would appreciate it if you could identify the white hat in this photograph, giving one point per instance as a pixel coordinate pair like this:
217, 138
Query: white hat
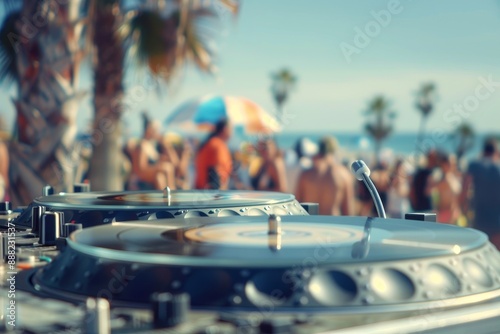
306, 147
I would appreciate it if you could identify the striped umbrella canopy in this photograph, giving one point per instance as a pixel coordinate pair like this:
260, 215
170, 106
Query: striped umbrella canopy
203, 113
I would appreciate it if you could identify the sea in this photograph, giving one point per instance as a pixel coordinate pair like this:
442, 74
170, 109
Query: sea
396, 145
360, 145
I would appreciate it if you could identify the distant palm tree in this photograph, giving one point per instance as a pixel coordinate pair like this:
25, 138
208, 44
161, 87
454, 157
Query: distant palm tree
283, 82
426, 97
464, 137
379, 127
40, 53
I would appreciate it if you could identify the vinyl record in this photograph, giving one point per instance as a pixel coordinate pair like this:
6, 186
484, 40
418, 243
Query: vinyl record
213, 242
309, 263
179, 199
98, 208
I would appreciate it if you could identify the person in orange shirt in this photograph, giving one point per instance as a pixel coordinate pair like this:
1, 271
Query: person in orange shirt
213, 160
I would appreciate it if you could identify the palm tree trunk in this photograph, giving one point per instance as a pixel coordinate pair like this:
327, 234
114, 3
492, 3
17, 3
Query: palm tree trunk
280, 116
421, 132
106, 161
47, 101
378, 148
461, 148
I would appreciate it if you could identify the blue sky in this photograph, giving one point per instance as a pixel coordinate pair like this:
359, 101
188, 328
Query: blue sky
455, 44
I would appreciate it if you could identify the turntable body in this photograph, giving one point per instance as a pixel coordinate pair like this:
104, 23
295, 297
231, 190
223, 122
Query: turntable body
245, 272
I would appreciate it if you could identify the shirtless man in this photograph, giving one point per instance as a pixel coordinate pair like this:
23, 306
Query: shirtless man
445, 192
328, 183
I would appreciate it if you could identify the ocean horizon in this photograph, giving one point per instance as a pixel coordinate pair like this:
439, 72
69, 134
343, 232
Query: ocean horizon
397, 144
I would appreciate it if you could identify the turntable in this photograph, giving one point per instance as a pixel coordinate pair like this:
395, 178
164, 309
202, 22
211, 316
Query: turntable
243, 262
96, 208
312, 263
302, 274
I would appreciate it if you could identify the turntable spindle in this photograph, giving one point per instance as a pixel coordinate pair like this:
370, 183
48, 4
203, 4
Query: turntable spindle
274, 232
167, 195
274, 223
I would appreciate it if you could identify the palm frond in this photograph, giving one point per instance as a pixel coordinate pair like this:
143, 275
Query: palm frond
285, 75
9, 37
426, 96
217, 6
164, 43
153, 34
427, 88
197, 42
381, 116
153, 40
379, 105
283, 82
199, 53
463, 130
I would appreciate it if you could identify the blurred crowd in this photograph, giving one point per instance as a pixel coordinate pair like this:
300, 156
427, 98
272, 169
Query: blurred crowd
314, 172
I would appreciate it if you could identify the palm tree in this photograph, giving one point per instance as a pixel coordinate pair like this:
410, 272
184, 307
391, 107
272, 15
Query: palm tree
464, 137
426, 97
161, 38
40, 54
379, 127
105, 164
283, 82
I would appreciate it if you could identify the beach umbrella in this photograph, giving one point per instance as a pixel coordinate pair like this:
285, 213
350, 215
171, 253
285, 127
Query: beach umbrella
203, 113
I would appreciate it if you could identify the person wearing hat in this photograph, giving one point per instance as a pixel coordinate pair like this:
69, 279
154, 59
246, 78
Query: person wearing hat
328, 183
299, 159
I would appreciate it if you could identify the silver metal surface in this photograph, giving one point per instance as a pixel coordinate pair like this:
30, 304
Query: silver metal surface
167, 195
274, 224
50, 228
36, 218
47, 191
97, 316
362, 173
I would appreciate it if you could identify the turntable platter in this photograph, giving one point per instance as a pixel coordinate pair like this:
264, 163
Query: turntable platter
98, 208
208, 242
316, 263
184, 199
